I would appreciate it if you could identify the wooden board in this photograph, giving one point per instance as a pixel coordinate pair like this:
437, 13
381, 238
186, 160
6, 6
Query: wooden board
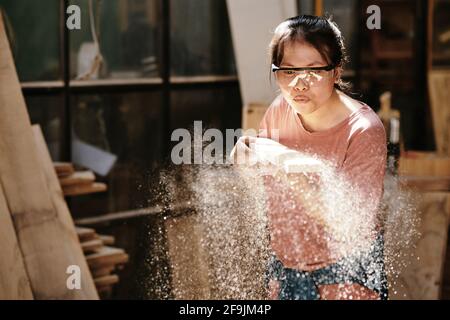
107, 240
14, 282
106, 280
106, 256
414, 163
79, 177
97, 273
64, 232
92, 245
85, 234
43, 224
439, 91
63, 169
422, 279
82, 189
426, 183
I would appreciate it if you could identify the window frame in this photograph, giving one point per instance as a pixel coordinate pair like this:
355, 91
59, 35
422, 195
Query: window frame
165, 83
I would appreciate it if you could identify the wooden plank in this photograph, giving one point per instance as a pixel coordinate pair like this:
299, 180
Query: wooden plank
78, 177
122, 215
85, 234
63, 168
91, 245
107, 240
439, 84
424, 164
422, 278
43, 224
82, 189
106, 280
318, 8
100, 272
68, 243
426, 183
106, 256
14, 282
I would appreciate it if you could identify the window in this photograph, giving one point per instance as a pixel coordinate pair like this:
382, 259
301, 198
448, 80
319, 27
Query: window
35, 41
161, 60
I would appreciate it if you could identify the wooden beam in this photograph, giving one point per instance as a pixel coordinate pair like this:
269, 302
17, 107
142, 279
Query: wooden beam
318, 7
67, 245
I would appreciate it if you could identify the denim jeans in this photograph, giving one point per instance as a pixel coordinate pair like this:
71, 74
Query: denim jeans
366, 269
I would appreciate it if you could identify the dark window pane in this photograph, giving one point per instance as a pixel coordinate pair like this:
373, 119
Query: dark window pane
344, 13
218, 108
392, 59
441, 33
200, 38
127, 126
128, 34
47, 111
305, 6
34, 34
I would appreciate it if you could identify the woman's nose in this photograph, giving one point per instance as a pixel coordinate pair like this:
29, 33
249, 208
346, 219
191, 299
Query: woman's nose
298, 83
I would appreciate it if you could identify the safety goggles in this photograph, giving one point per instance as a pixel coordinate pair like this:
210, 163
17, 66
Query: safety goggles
309, 75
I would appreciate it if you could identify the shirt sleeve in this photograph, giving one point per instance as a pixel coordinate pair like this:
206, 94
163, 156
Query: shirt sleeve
365, 163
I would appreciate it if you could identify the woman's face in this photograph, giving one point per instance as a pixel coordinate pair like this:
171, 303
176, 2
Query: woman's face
305, 92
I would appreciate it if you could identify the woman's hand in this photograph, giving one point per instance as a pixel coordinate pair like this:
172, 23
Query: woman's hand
244, 151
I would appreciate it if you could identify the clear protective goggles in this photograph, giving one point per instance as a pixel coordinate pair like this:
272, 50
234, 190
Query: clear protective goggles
309, 75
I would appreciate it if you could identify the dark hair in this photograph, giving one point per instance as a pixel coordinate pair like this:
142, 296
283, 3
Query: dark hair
320, 32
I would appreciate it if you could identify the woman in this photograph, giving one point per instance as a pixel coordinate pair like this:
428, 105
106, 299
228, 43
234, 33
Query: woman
314, 115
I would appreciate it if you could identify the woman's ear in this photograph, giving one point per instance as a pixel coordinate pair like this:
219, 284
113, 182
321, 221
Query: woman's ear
337, 74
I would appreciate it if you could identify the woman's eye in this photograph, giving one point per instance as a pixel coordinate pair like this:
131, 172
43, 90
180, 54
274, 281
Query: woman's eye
288, 72
317, 73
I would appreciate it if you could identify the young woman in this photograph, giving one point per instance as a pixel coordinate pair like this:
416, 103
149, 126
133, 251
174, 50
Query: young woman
314, 115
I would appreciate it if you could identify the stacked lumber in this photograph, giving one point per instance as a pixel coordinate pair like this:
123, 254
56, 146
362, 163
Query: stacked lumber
419, 163
438, 84
75, 183
103, 259
45, 245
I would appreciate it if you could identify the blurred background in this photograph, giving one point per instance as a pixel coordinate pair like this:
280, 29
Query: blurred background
168, 63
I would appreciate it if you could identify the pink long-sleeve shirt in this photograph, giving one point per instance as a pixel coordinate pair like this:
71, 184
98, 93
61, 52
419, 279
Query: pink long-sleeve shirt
355, 147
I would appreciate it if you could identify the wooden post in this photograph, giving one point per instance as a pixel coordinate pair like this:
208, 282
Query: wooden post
318, 7
46, 234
